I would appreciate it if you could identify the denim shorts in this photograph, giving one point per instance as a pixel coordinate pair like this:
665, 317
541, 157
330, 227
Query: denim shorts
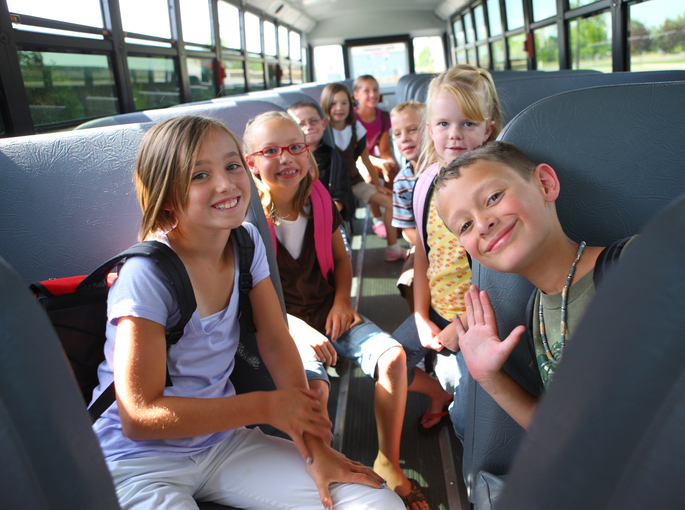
364, 344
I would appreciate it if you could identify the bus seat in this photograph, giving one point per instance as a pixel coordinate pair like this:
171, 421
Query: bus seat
616, 411
619, 154
50, 457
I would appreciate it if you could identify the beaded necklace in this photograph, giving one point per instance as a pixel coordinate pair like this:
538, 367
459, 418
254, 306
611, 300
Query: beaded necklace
564, 299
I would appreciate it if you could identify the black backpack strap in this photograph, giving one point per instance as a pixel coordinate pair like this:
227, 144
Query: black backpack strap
174, 269
245, 246
608, 258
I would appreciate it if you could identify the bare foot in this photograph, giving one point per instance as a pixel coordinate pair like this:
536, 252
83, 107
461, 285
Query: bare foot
434, 412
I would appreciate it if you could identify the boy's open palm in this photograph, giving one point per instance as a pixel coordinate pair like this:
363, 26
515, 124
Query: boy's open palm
481, 346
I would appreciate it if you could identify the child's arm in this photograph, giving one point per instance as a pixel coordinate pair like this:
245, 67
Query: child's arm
385, 150
409, 235
427, 329
342, 316
485, 355
373, 174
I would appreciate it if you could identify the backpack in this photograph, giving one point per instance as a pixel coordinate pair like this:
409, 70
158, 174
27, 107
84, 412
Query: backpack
423, 190
77, 308
322, 212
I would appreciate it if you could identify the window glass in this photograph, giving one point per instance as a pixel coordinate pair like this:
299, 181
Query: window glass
543, 9
283, 42
471, 56
518, 58
234, 79
494, 17
196, 22
154, 82
514, 10
656, 36
272, 78
479, 17
285, 79
201, 72
253, 36
256, 75
269, 38
297, 74
483, 56
328, 63
459, 34
429, 56
229, 25
81, 12
67, 87
498, 63
461, 57
385, 62
547, 48
147, 17
573, 4
591, 42
468, 25
295, 49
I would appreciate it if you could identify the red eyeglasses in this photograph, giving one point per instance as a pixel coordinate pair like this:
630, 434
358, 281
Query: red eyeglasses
275, 151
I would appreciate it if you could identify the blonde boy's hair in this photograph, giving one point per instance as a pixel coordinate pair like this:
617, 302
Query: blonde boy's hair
475, 92
305, 186
410, 106
327, 94
164, 168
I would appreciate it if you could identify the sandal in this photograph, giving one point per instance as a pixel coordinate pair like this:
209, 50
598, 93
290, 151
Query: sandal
414, 496
444, 418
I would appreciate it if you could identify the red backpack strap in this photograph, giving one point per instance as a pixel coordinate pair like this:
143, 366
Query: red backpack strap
423, 186
323, 225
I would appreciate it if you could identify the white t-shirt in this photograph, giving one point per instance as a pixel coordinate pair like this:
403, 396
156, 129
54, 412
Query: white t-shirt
344, 137
291, 233
199, 364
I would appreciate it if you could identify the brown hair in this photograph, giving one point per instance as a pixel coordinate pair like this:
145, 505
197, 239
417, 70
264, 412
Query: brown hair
357, 83
164, 168
475, 92
327, 94
305, 186
504, 153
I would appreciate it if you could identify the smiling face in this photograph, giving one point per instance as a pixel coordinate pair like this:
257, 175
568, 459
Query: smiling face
340, 109
501, 219
406, 129
311, 124
368, 94
283, 172
219, 191
452, 133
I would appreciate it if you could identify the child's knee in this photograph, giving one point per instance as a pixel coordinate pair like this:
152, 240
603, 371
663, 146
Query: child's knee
393, 362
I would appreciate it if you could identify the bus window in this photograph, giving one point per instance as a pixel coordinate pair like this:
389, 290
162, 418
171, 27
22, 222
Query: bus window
483, 56
229, 25
494, 18
269, 38
80, 12
295, 49
517, 54
283, 42
256, 75
543, 9
656, 36
146, 17
386, 62
514, 10
591, 42
67, 87
253, 39
429, 55
234, 80
154, 82
201, 74
328, 63
547, 48
196, 22
498, 62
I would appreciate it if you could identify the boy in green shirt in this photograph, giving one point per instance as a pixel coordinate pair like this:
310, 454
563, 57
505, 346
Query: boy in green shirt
501, 206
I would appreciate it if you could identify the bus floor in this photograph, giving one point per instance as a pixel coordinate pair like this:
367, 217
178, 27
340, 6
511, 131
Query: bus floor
433, 461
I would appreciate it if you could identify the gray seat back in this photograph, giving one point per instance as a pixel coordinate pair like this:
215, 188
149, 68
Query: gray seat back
619, 154
616, 411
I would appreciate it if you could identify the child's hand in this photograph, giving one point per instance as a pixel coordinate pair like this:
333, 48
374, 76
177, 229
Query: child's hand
324, 351
428, 332
341, 319
329, 466
298, 411
449, 337
390, 169
383, 189
483, 351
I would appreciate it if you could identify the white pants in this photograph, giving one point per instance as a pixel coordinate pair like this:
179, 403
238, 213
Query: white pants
249, 470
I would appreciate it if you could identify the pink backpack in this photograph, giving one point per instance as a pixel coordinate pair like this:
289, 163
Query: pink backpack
322, 211
422, 192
